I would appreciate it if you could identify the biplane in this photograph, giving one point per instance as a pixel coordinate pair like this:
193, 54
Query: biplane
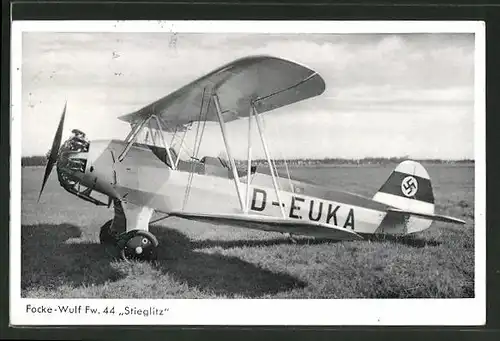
142, 177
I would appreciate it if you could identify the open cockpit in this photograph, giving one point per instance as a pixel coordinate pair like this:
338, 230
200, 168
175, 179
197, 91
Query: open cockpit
207, 165
177, 155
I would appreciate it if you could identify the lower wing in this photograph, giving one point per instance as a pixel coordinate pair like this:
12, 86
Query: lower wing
267, 223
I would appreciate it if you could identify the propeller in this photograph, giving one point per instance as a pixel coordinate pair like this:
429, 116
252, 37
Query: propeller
54, 151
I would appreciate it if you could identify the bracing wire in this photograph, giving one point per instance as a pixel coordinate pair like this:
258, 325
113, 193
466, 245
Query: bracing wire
196, 148
284, 161
151, 133
282, 157
182, 148
198, 144
268, 156
273, 162
182, 145
174, 135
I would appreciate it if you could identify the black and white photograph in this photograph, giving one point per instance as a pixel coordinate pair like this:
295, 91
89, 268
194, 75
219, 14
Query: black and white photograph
263, 173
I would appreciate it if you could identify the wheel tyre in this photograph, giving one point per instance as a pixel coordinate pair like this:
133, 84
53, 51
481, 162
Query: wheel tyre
138, 245
105, 235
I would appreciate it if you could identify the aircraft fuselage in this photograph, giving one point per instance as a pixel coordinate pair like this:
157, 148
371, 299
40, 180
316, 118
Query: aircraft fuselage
143, 179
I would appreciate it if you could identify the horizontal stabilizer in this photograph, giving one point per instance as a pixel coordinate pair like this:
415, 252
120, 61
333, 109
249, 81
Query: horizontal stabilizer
436, 217
274, 224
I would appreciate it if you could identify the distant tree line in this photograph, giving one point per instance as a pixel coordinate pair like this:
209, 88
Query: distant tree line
364, 161
39, 160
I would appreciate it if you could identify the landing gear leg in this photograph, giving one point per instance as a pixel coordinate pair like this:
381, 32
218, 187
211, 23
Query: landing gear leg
106, 237
113, 228
129, 232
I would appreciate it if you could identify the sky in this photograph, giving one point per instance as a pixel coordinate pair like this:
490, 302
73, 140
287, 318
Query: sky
386, 94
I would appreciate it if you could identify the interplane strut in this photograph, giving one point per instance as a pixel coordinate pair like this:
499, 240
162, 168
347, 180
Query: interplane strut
228, 151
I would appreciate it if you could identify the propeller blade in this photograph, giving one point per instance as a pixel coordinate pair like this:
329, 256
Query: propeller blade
54, 151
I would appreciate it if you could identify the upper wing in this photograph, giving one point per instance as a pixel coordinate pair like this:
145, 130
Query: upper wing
269, 82
267, 223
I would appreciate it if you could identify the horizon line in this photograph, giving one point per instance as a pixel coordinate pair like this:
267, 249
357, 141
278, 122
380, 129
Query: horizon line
386, 158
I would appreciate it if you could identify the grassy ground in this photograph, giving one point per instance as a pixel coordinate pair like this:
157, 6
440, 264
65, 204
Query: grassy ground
61, 256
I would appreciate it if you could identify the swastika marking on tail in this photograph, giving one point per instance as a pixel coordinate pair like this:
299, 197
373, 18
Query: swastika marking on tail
409, 186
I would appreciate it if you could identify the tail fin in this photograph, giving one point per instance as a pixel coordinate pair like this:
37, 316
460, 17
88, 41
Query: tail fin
408, 188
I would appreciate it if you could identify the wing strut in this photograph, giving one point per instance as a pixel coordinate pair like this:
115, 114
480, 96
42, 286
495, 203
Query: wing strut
165, 144
271, 168
228, 151
249, 160
137, 128
181, 146
132, 136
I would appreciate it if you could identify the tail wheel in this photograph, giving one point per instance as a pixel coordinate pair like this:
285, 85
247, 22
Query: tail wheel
138, 245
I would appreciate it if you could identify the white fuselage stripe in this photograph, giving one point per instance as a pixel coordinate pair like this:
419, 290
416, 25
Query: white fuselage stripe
404, 203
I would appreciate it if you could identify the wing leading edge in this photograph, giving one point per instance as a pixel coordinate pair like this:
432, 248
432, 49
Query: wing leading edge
268, 82
266, 223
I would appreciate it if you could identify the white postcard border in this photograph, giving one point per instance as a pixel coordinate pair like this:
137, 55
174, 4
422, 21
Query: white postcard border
252, 311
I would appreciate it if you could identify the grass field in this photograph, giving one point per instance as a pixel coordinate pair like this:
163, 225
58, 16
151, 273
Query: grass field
62, 258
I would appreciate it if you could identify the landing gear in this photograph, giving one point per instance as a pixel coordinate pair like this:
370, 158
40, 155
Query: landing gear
106, 236
137, 245
133, 245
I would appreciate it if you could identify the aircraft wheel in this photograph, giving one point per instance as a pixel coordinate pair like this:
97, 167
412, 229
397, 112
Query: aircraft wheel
105, 235
138, 245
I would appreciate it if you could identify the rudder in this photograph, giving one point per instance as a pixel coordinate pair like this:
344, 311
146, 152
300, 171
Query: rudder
408, 188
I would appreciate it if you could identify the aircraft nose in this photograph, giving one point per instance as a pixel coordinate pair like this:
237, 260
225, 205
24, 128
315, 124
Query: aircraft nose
100, 157
72, 158
100, 166
74, 162
81, 169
